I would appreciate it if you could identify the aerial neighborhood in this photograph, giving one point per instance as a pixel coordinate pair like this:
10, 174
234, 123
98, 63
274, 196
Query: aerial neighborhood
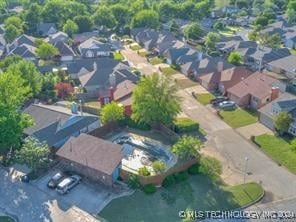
146, 110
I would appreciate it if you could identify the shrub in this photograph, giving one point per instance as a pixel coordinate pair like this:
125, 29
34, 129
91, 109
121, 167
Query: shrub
211, 167
149, 188
132, 124
168, 181
194, 169
133, 181
143, 171
185, 125
182, 176
158, 166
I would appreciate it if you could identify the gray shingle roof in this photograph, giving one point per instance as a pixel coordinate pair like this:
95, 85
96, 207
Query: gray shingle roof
43, 28
53, 126
64, 49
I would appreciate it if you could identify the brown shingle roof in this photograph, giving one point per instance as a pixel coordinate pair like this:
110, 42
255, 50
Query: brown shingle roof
257, 84
90, 151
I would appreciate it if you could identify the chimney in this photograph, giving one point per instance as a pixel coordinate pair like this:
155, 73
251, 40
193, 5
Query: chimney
220, 66
275, 91
111, 93
112, 80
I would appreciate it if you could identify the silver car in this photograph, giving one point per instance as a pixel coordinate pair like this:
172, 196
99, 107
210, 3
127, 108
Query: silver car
227, 105
67, 184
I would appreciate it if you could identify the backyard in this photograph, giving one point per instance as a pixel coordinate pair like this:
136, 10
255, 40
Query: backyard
118, 56
278, 149
205, 98
239, 117
198, 192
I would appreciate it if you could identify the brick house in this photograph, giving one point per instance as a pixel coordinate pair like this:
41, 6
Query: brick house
94, 158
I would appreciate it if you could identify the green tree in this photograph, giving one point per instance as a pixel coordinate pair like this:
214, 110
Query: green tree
48, 92
9, 60
15, 21
253, 36
32, 17
193, 31
70, 27
146, 18
46, 51
235, 58
11, 33
143, 171
187, 147
84, 23
158, 94
32, 153
174, 28
12, 120
104, 17
218, 26
28, 71
211, 40
112, 112
282, 122
121, 14
159, 166
293, 145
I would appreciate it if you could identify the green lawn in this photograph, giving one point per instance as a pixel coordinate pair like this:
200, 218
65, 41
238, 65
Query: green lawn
239, 117
293, 51
136, 47
156, 60
198, 193
118, 56
279, 150
169, 70
185, 83
221, 3
205, 98
6, 219
143, 52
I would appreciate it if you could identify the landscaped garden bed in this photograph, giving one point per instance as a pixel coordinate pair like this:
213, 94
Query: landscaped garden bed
279, 149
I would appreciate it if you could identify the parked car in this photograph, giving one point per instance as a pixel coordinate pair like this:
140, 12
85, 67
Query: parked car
67, 184
218, 99
55, 180
227, 105
25, 179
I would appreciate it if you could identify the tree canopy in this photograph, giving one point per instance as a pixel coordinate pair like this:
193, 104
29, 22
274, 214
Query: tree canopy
146, 18
235, 58
193, 31
282, 122
46, 51
187, 147
112, 112
155, 100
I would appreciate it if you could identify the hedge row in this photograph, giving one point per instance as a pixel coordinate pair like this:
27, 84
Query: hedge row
185, 125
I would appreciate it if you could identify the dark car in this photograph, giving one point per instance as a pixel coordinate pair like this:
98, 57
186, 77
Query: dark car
55, 180
218, 99
25, 179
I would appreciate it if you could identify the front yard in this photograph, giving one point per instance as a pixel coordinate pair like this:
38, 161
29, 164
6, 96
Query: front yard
168, 71
197, 193
118, 56
156, 60
279, 150
135, 47
239, 117
185, 83
205, 98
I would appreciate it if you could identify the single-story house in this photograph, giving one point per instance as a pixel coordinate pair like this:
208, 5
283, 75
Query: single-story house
25, 51
23, 39
92, 157
285, 66
284, 103
66, 53
81, 37
225, 79
94, 48
105, 73
55, 125
254, 91
46, 29
57, 37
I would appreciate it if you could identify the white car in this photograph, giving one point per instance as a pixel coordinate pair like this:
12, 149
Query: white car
67, 184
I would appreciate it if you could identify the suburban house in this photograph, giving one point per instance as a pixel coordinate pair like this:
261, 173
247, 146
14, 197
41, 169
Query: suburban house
55, 124
197, 67
81, 37
94, 48
225, 79
104, 73
285, 66
284, 103
57, 37
173, 54
94, 158
145, 37
46, 29
66, 53
254, 91
23, 46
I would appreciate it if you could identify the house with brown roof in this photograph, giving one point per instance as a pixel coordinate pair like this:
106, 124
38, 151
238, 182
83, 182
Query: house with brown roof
94, 158
225, 79
255, 91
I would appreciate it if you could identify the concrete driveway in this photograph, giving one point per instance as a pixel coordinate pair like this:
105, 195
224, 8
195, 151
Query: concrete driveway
84, 196
255, 129
28, 203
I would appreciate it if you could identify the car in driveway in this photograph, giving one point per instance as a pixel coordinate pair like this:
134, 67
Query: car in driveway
67, 184
55, 180
227, 105
218, 99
